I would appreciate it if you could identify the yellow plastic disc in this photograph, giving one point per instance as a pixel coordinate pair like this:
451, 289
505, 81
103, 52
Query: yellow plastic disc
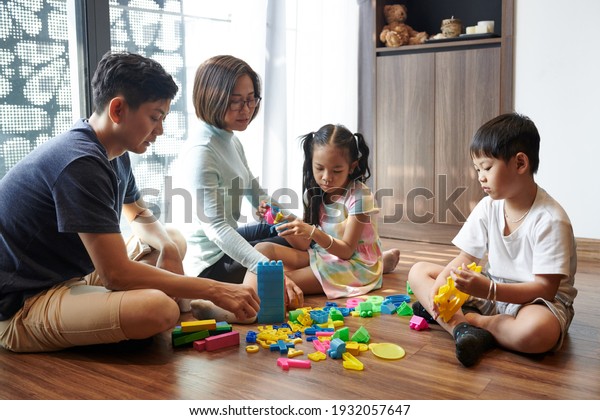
389, 351
252, 348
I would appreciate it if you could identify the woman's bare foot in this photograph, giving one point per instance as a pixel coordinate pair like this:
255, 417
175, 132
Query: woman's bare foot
205, 309
391, 258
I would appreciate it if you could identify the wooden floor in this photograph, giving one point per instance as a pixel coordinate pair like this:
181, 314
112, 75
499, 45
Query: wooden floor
153, 370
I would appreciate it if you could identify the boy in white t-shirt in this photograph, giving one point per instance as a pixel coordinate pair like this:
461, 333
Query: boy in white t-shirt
524, 299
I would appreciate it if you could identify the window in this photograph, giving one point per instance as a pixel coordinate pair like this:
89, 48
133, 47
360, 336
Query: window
35, 84
155, 29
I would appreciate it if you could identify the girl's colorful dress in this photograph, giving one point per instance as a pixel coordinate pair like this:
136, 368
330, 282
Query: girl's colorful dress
361, 273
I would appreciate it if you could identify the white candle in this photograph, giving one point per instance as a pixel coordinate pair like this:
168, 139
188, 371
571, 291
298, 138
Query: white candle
485, 26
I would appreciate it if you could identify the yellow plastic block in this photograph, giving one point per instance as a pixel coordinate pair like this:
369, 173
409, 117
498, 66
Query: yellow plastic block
316, 356
449, 299
200, 325
352, 348
292, 352
351, 362
253, 348
305, 319
279, 217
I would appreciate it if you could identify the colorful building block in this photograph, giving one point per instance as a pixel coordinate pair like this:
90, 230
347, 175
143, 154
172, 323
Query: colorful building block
273, 215
353, 302
282, 346
220, 341
364, 309
337, 347
449, 299
221, 327
342, 333
319, 316
374, 300
321, 346
388, 308
271, 291
317, 356
404, 310
286, 363
418, 323
199, 325
179, 338
292, 352
252, 348
199, 345
351, 362
361, 335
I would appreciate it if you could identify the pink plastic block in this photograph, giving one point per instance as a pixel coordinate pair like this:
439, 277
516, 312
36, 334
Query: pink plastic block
319, 346
418, 323
200, 345
353, 302
220, 341
286, 363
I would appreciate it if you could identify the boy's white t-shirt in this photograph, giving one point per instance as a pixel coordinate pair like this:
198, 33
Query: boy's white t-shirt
543, 244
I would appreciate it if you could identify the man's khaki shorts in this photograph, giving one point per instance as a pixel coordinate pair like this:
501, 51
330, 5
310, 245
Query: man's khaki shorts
78, 312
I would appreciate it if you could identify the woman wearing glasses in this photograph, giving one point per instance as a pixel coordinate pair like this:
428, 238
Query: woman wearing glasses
211, 175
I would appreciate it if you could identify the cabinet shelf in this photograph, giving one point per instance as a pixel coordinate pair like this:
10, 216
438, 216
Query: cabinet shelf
427, 15
439, 46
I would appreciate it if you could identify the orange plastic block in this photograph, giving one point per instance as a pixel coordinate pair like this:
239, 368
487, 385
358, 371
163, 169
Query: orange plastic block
449, 299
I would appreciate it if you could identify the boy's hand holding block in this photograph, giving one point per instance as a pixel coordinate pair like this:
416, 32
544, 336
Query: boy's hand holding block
449, 299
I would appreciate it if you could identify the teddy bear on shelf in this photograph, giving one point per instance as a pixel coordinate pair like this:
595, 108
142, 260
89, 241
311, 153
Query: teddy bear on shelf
397, 33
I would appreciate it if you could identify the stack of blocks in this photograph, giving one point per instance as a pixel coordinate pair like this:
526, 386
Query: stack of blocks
205, 335
271, 291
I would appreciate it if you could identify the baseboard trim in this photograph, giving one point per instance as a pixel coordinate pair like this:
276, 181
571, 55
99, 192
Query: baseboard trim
588, 250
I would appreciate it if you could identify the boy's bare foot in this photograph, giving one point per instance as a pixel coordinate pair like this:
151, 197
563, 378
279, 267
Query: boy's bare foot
391, 258
205, 309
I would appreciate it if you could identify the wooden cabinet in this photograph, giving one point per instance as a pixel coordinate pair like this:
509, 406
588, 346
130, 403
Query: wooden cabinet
429, 101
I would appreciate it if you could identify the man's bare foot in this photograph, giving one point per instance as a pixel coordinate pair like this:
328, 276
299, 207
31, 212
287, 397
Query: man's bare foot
391, 258
205, 309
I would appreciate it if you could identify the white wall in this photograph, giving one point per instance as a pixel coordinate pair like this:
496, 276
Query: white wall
557, 84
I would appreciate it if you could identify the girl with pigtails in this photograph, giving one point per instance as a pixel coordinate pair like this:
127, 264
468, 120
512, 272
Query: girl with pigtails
335, 249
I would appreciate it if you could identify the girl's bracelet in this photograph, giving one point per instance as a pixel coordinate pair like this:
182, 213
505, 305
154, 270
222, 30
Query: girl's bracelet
331, 243
311, 232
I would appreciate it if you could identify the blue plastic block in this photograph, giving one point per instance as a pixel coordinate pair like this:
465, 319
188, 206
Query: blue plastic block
282, 346
388, 308
336, 348
320, 317
345, 311
271, 291
251, 337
